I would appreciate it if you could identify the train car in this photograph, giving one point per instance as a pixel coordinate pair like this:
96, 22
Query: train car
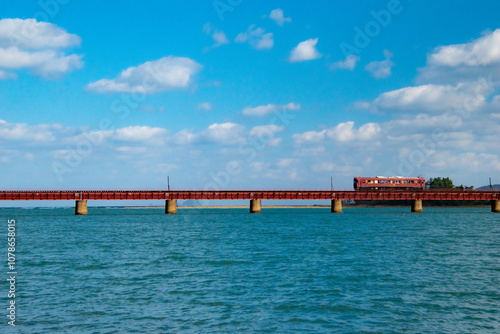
389, 183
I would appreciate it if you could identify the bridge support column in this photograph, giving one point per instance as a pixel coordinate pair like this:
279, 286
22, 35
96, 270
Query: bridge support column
81, 208
495, 206
255, 206
336, 206
170, 206
416, 205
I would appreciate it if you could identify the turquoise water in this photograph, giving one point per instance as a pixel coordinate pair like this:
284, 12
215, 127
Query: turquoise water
284, 271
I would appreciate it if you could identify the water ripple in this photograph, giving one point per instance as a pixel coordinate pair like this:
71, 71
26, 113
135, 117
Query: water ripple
291, 271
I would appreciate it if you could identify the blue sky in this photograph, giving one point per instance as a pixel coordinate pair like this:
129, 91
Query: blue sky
247, 94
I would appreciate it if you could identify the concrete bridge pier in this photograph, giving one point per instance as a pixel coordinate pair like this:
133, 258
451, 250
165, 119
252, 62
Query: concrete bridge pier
81, 208
495, 206
416, 206
255, 206
336, 206
170, 206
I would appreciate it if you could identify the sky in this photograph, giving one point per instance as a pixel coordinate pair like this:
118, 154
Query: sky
238, 94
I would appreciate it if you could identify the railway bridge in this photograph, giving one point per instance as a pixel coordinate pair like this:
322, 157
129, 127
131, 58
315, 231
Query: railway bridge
254, 196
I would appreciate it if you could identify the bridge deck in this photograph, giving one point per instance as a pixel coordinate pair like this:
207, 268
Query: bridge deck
249, 194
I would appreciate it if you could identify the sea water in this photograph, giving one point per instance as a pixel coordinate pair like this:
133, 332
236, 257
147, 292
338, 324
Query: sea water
375, 270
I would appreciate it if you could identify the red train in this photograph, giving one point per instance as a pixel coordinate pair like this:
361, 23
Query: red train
392, 182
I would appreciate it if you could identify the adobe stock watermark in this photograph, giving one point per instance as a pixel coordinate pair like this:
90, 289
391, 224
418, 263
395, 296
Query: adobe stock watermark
364, 36
12, 271
221, 7
121, 107
454, 118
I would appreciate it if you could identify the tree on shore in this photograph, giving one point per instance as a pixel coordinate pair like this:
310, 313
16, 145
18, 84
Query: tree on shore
439, 183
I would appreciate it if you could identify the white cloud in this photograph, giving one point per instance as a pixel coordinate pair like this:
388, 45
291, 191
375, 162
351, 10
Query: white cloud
23, 132
184, 137
343, 132
265, 130
266, 133
422, 122
278, 17
267, 109
153, 76
306, 50
481, 57
218, 36
204, 106
381, 69
30, 34
36, 46
483, 51
256, 37
283, 163
348, 64
225, 133
139, 133
463, 96
259, 166
309, 137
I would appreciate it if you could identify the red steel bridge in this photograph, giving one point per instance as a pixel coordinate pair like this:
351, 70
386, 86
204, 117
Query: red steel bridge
255, 196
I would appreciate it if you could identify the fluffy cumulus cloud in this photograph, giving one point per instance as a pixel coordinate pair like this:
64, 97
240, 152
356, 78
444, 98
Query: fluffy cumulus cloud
268, 109
343, 132
381, 69
224, 133
348, 64
480, 57
36, 46
467, 96
278, 17
153, 76
22, 132
256, 37
306, 50
139, 133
